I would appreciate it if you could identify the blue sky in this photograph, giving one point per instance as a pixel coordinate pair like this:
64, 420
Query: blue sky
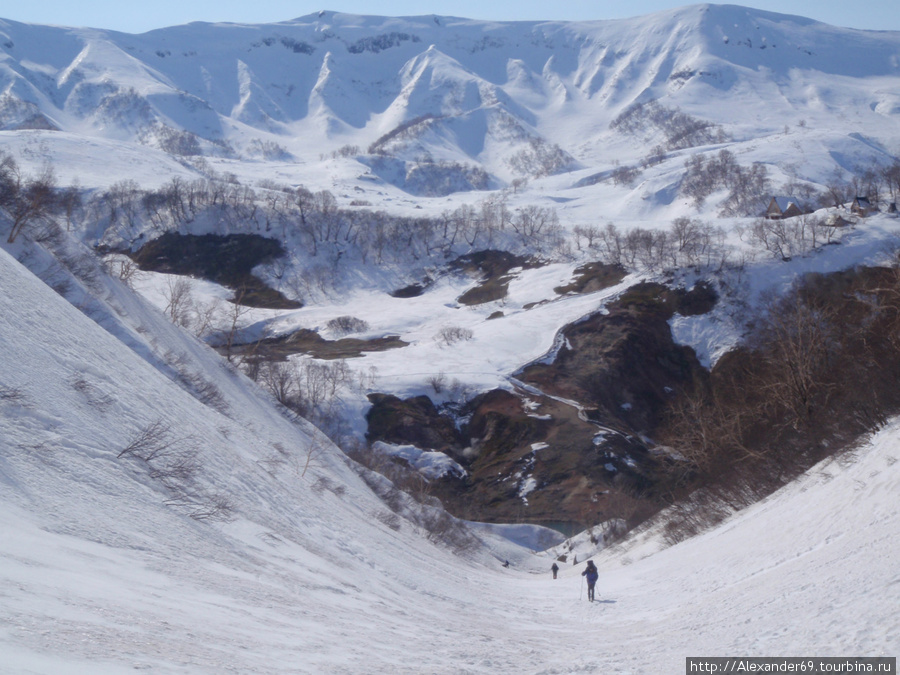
134, 17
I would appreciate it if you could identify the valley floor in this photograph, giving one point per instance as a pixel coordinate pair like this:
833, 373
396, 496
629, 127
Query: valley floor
811, 571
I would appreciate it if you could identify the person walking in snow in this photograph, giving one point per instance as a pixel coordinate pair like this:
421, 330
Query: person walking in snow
554, 569
592, 575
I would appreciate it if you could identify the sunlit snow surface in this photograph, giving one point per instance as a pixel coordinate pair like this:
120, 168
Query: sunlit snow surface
314, 574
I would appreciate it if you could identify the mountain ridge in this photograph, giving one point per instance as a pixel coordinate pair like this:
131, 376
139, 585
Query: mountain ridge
352, 79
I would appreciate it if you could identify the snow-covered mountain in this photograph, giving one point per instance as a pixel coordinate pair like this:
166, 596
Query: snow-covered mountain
523, 99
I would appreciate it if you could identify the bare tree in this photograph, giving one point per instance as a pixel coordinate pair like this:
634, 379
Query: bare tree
179, 301
122, 199
123, 268
612, 244
837, 190
71, 203
590, 233
797, 341
891, 175
237, 311
280, 378
25, 199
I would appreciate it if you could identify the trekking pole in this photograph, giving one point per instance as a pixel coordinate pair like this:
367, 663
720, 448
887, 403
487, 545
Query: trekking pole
581, 590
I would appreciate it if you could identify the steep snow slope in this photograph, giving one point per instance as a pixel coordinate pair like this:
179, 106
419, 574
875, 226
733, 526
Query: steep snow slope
312, 575
97, 549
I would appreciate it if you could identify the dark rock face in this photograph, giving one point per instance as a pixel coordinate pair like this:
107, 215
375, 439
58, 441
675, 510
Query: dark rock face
414, 421
225, 259
622, 365
538, 458
493, 267
305, 341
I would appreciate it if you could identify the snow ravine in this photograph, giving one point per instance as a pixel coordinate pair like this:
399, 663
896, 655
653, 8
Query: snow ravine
98, 575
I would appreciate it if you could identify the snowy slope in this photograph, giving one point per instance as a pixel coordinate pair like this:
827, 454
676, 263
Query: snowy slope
99, 575
92, 549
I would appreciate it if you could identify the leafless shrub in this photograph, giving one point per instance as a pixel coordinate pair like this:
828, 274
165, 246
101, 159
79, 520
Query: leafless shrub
308, 388
589, 233
409, 129
625, 175
449, 335
204, 317
153, 440
324, 483
201, 388
175, 142
692, 516
13, 395
57, 278
695, 242
789, 237
622, 511
179, 301
389, 518
175, 463
458, 391
540, 158
43, 446
268, 150
382, 474
312, 452
680, 129
690, 242
656, 156
83, 265
346, 151
176, 467
394, 499
441, 527
272, 464
202, 504
48, 232
818, 372
438, 382
175, 359
434, 179
93, 394
209, 394
401, 475
538, 227
748, 186
26, 200
344, 325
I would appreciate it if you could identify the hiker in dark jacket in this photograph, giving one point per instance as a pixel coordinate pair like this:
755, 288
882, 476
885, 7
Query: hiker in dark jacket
592, 575
554, 569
